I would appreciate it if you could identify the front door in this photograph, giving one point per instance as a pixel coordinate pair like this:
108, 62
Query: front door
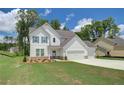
54, 54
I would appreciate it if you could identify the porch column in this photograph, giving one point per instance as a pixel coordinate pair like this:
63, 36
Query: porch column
49, 52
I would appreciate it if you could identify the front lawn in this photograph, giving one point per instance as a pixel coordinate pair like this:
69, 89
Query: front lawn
111, 58
14, 71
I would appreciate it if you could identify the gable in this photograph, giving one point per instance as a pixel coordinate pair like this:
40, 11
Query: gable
50, 30
38, 32
76, 43
53, 35
104, 44
45, 28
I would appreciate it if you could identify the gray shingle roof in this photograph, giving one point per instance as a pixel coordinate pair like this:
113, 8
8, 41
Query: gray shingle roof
66, 35
116, 40
31, 29
89, 44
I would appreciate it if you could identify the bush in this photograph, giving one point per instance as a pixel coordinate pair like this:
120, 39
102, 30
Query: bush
20, 53
24, 59
6, 53
6, 46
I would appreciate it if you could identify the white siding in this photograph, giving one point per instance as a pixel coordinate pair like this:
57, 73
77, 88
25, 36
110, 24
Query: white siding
91, 52
52, 35
77, 49
34, 46
40, 32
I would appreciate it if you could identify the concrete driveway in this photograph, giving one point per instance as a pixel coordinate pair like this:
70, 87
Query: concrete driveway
114, 64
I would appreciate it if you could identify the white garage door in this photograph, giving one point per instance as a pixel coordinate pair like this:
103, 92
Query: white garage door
75, 55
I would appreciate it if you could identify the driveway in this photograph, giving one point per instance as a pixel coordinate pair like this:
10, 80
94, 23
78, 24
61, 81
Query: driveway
114, 64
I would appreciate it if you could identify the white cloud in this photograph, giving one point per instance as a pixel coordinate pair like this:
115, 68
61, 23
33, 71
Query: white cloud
68, 18
62, 25
121, 26
82, 23
8, 20
121, 36
46, 12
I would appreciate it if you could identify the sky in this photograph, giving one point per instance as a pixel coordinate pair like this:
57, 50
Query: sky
73, 18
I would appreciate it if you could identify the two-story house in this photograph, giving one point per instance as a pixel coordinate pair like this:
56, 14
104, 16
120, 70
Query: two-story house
47, 42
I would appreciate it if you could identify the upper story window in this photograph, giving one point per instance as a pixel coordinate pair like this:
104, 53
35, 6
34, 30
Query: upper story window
54, 40
35, 39
44, 39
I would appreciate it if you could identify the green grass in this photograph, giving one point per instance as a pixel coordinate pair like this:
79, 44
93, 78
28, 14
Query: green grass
14, 71
111, 58
7, 53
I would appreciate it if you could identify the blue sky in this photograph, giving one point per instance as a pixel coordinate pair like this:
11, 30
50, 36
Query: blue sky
73, 18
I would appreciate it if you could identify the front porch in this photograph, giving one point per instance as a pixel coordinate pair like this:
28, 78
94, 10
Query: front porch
56, 52
58, 57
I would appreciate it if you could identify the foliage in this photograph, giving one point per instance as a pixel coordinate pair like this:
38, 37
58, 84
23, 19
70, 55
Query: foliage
65, 28
110, 58
55, 24
41, 22
26, 19
24, 59
6, 53
99, 29
6, 46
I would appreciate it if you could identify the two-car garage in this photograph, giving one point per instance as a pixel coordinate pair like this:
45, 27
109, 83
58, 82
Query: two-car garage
75, 50
75, 55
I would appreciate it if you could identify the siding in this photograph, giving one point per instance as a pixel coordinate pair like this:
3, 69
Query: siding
76, 45
117, 53
34, 46
100, 53
104, 45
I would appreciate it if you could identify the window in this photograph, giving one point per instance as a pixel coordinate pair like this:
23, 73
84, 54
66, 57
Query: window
54, 40
35, 39
42, 52
44, 39
39, 52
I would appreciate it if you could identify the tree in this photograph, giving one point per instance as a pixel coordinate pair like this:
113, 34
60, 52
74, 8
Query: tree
41, 22
110, 27
99, 29
65, 28
11, 39
85, 33
113, 31
6, 39
26, 19
55, 24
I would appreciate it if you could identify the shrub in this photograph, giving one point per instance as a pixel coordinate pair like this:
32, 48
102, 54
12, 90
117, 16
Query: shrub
24, 59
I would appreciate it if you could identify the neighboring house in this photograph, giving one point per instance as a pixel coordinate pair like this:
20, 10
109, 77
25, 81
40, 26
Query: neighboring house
47, 42
110, 47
